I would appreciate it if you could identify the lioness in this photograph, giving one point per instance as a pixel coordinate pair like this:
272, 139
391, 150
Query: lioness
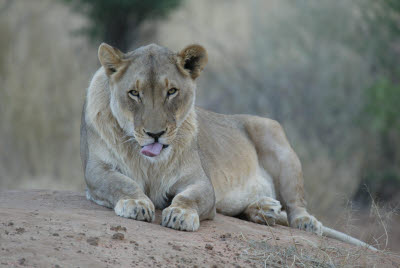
145, 145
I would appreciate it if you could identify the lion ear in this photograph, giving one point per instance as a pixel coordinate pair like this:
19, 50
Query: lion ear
192, 59
111, 58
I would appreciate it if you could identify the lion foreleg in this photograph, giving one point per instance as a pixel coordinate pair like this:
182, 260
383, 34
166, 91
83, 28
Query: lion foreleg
193, 204
120, 192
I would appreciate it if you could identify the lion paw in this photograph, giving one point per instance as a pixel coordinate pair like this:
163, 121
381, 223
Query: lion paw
264, 211
138, 209
180, 219
307, 223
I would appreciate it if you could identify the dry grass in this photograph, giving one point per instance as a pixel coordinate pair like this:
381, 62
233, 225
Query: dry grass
302, 252
377, 226
323, 254
43, 80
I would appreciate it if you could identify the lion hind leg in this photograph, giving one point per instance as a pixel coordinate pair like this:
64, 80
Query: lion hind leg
278, 158
307, 222
266, 210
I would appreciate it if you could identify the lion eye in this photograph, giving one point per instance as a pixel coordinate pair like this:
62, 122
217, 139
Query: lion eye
172, 91
133, 94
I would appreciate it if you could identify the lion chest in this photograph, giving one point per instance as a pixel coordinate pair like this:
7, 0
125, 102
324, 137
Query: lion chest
158, 185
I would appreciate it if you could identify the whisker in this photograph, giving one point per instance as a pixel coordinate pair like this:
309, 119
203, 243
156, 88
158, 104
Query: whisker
128, 140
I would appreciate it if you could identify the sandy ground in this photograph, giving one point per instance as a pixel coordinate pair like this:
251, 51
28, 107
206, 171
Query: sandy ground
42, 228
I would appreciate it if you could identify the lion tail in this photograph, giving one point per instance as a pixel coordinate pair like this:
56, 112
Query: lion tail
328, 232
345, 238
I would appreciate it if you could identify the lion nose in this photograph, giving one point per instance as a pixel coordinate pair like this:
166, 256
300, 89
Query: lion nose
155, 136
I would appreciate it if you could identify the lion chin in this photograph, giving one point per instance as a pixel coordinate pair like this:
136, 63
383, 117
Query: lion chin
189, 162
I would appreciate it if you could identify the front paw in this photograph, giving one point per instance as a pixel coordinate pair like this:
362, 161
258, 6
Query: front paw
180, 219
138, 209
307, 223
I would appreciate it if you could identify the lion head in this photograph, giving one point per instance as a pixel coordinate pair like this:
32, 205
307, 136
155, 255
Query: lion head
152, 91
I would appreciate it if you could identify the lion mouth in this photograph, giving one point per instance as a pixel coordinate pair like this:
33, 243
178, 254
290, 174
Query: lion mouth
153, 149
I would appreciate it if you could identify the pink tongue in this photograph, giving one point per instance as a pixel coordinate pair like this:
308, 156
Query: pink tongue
151, 150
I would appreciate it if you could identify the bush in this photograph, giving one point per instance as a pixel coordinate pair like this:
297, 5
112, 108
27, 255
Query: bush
116, 22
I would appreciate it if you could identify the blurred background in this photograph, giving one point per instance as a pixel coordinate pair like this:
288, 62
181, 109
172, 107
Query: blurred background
328, 71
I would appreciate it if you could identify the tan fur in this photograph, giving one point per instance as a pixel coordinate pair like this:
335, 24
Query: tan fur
233, 164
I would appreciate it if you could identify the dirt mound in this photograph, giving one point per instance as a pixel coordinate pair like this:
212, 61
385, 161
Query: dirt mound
42, 228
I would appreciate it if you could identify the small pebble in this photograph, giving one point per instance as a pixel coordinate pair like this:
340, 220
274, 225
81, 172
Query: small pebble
118, 236
20, 230
21, 261
118, 228
94, 241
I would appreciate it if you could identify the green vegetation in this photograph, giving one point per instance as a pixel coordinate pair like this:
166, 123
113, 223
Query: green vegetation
383, 107
381, 121
381, 113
